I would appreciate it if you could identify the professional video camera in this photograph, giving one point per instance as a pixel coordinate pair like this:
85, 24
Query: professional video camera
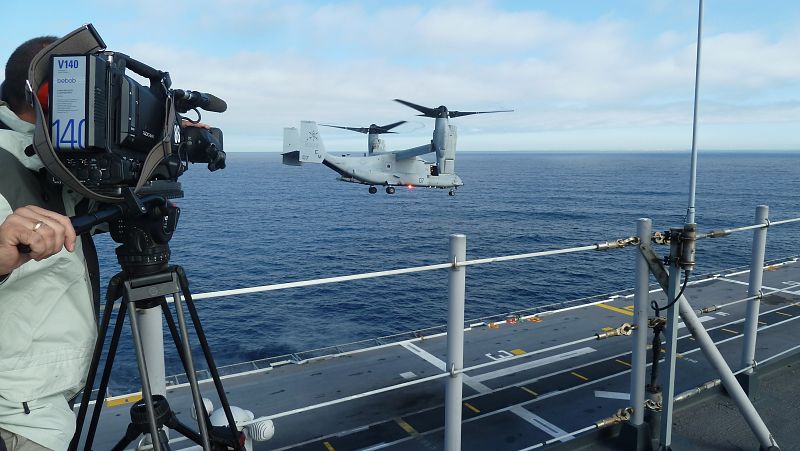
111, 139
100, 131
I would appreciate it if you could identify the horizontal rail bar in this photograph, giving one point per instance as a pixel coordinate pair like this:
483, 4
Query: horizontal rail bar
313, 282
482, 321
726, 232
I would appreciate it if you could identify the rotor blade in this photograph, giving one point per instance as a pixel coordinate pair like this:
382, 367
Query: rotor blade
386, 128
355, 129
467, 113
429, 112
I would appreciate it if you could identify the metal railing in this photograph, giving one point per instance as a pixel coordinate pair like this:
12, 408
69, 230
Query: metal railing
457, 265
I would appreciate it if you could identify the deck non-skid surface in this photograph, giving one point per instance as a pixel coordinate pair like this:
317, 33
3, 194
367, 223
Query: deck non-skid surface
548, 380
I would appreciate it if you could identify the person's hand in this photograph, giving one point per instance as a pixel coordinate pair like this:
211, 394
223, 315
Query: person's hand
44, 231
187, 123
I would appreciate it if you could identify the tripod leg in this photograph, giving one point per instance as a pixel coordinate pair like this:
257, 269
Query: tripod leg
212, 367
186, 356
111, 296
101, 393
130, 435
146, 393
173, 329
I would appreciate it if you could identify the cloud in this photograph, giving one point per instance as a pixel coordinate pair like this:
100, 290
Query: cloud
343, 63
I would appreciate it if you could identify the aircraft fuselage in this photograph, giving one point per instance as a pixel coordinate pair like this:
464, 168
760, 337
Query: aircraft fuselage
386, 169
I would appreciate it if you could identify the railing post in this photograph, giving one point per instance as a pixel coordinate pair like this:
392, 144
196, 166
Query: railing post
671, 338
754, 289
641, 307
455, 343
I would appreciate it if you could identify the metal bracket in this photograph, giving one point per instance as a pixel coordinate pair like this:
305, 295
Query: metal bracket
619, 416
617, 244
624, 330
650, 404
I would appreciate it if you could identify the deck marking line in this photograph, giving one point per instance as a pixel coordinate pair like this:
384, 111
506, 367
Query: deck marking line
471, 407
702, 319
615, 309
532, 364
622, 362
328, 446
579, 376
122, 400
406, 427
784, 314
469, 381
729, 331
518, 351
530, 391
541, 423
612, 395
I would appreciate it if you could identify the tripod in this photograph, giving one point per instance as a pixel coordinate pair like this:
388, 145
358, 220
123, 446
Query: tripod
146, 278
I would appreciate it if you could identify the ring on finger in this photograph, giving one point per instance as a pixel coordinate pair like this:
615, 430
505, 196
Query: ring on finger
38, 226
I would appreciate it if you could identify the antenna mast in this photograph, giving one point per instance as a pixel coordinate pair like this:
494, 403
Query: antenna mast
693, 176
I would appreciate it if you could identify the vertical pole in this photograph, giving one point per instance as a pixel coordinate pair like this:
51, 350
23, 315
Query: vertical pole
641, 307
455, 343
671, 335
151, 325
690, 212
147, 395
754, 288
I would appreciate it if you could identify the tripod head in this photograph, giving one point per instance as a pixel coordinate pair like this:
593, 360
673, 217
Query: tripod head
142, 225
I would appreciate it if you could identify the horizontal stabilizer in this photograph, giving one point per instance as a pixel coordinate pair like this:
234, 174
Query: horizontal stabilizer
292, 158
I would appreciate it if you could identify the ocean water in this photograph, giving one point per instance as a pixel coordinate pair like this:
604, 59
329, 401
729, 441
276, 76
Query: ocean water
259, 222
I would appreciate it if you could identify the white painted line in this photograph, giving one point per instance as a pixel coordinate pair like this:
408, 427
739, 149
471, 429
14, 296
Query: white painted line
702, 319
541, 423
439, 363
408, 375
612, 395
533, 364
739, 282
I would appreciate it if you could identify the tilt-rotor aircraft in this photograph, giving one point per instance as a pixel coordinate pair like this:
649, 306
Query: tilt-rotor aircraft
381, 167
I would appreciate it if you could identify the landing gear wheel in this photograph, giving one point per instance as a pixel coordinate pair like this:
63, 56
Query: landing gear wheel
390, 190
373, 190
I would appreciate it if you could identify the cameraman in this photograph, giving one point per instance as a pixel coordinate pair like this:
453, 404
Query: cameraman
47, 315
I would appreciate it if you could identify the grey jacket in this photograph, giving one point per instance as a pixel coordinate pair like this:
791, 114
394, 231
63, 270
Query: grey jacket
47, 319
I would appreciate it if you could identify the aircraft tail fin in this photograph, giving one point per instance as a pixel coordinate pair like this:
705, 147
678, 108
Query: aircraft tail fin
304, 146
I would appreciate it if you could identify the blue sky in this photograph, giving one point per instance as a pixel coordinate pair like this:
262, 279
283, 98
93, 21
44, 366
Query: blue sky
581, 75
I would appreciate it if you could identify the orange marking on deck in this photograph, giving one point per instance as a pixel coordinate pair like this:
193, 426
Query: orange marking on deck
579, 376
406, 427
615, 309
328, 446
622, 362
629, 307
530, 391
471, 407
122, 400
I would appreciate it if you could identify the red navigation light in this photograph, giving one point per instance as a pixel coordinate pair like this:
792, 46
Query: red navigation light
410, 186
